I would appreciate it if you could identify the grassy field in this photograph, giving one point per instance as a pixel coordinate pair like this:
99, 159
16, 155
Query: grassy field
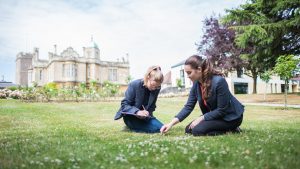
84, 135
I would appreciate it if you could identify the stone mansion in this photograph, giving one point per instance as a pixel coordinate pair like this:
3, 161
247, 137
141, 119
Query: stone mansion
69, 69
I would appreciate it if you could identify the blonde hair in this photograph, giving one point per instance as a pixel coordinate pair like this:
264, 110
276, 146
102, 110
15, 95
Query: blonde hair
155, 73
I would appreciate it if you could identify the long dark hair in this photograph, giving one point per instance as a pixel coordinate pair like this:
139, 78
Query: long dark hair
207, 72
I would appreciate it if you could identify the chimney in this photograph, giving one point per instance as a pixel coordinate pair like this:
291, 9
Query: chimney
55, 49
36, 53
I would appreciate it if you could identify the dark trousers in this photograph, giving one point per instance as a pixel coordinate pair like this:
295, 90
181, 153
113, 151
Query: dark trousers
214, 127
151, 125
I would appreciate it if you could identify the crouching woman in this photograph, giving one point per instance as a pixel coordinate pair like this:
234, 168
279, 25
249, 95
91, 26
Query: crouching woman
140, 102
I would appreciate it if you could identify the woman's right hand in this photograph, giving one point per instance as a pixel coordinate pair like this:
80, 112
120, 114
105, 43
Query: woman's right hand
142, 114
165, 128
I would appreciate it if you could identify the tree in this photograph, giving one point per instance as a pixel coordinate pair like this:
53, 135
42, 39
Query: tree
76, 93
218, 45
271, 28
179, 83
285, 66
49, 90
93, 89
128, 79
266, 76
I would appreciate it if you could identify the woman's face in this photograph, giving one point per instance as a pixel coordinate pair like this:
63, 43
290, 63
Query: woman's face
193, 74
152, 84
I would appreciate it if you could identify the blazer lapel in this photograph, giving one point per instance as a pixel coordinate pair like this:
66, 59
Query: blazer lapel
151, 99
141, 95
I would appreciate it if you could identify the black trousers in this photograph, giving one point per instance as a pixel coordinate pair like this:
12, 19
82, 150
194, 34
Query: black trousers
214, 127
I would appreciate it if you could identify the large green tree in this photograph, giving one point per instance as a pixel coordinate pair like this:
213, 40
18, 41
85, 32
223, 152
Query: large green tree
271, 28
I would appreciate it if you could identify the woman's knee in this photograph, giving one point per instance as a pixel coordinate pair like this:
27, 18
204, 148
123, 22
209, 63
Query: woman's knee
188, 130
199, 130
198, 133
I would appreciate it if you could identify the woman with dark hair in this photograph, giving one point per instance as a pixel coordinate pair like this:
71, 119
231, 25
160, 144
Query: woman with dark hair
140, 102
222, 112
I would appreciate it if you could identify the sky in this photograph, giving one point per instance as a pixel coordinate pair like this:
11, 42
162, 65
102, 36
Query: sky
151, 32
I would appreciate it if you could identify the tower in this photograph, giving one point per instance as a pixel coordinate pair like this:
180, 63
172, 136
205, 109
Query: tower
92, 50
23, 63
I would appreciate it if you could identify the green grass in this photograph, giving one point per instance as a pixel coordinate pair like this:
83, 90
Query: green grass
84, 135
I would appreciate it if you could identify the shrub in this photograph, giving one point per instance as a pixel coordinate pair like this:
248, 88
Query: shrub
15, 94
2, 94
12, 88
110, 88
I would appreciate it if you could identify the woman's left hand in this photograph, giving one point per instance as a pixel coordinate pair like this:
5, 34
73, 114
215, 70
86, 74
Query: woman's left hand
196, 122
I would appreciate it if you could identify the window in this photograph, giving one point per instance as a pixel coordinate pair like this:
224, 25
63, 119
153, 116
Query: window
240, 88
88, 71
41, 74
112, 74
69, 70
63, 70
239, 72
271, 87
73, 70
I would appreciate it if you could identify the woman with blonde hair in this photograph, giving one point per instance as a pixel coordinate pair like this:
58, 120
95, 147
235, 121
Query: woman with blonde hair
140, 102
222, 112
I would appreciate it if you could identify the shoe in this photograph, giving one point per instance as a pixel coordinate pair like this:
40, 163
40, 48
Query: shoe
237, 130
125, 128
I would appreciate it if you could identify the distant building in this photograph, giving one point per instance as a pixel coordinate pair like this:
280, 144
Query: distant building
238, 82
69, 69
4, 84
167, 80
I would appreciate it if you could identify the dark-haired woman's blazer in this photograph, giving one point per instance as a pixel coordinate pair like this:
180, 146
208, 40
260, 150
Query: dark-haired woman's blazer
220, 105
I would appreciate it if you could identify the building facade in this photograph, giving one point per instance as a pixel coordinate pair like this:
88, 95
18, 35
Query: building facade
238, 82
69, 69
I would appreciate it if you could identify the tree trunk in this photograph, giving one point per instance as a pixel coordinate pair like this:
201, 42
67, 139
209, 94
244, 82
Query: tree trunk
285, 95
254, 83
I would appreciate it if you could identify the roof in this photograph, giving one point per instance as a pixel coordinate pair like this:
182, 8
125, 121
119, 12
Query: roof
182, 62
92, 44
4, 84
178, 64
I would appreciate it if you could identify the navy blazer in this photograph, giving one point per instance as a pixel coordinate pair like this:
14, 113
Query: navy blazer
221, 104
134, 98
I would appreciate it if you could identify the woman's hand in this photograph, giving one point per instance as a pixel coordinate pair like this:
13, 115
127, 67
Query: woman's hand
142, 114
196, 122
165, 128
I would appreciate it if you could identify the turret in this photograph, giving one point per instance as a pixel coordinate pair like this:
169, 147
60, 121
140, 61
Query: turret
91, 50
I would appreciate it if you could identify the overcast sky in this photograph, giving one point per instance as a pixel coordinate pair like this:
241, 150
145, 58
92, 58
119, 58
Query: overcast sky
160, 32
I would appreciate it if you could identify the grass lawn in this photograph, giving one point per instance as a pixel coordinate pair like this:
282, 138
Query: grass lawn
84, 135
